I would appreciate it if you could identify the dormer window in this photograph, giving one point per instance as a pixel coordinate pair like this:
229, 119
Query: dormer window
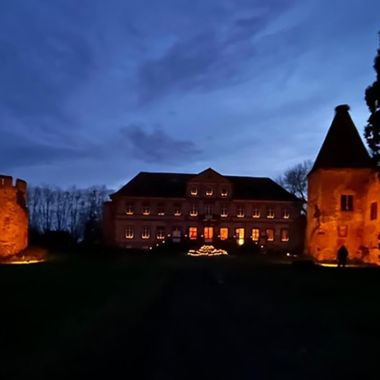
224, 192
160, 210
194, 191
285, 214
146, 210
209, 191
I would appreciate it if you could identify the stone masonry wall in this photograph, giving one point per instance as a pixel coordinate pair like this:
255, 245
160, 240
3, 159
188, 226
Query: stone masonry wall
13, 216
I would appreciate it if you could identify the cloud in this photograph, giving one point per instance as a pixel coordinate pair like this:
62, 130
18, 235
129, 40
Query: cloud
157, 146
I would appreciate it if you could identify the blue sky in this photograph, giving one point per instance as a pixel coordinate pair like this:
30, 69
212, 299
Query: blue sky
94, 91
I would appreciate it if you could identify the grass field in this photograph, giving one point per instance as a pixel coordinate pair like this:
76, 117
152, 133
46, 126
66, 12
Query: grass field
237, 316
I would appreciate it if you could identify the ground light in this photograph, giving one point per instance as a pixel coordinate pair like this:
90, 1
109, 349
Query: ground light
207, 250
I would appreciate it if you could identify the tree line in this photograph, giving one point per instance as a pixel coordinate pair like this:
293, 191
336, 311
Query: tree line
77, 212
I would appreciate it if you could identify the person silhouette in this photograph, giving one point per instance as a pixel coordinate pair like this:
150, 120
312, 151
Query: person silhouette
342, 256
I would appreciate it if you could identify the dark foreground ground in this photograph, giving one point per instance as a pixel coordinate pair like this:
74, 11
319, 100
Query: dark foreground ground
188, 318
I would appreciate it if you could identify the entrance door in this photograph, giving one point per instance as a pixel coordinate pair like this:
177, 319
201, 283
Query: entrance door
208, 233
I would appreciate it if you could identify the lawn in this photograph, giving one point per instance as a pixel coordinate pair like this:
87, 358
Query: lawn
95, 316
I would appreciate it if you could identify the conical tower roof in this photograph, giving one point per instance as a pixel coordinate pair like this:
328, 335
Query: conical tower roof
343, 147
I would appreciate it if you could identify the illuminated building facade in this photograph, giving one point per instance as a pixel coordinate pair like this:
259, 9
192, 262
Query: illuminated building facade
343, 196
207, 208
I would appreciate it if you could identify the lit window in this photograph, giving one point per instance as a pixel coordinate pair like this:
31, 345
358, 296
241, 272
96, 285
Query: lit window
223, 232
194, 210
255, 234
240, 212
208, 233
239, 234
177, 210
129, 209
256, 213
224, 212
194, 191
209, 191
270, 213
160, 233
284, 235
146, 210
129, 232
224, 192
145, 233
269, 232
160, 210
373, 210
285, 214
193, 233
346, 202
208, 209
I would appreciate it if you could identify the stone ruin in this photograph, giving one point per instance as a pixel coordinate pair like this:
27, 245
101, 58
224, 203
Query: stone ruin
13, 217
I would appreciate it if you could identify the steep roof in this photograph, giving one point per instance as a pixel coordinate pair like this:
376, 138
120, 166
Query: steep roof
343, 147
173, 185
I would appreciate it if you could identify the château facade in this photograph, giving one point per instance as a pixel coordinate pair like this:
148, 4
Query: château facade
343, 196
206, 208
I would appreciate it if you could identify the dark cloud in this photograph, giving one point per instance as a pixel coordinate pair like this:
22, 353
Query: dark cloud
157, 146
20, 151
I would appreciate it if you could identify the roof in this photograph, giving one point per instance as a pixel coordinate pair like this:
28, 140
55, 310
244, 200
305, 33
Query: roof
343, 147
173, 185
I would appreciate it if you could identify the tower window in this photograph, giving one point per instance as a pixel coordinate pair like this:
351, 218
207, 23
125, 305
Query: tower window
373, 211
346, 202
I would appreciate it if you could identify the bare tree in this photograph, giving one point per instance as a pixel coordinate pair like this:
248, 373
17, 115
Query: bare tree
295, 180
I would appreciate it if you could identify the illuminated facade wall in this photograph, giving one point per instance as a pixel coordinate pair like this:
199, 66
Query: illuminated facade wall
13, 216
208, 212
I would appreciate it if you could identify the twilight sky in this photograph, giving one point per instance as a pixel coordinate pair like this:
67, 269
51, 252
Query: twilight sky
94, 91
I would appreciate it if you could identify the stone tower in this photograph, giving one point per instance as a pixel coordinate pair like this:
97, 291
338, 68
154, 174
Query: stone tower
338, 186
13, 216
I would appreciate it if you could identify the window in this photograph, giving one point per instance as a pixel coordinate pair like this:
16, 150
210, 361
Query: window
208, 209
223, 233
240, 212
129, 209
146, 210
160, 210
193, 233
224, 212
177, 210
209, 191
224, 192
208, 233
176, 234
270, 213
284, 234
285, 214
194, 191
373, 215
346, 202
256, 213
129, 232
145, 233
193, 210
255, 234
239, 234
160, 233
269, 232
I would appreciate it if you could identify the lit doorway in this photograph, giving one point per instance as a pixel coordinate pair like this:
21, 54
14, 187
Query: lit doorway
208, 233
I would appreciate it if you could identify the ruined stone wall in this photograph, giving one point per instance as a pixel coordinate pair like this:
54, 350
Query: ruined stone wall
328, 227
13, 216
